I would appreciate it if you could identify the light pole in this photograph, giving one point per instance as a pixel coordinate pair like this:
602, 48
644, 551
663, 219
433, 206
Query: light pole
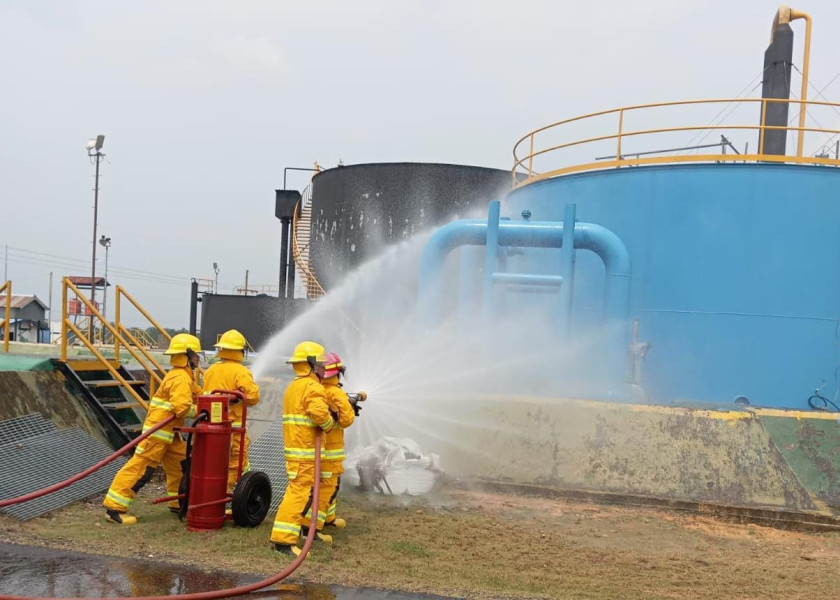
216, 269
105, 242
94, 148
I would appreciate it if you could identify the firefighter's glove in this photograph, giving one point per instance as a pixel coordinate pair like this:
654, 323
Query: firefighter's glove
357, 409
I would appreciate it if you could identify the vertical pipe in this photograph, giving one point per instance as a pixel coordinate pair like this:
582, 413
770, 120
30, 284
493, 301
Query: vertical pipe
246, 282
567, 267
285, 224
803, 94
491, 251
193, 305
63, 319
468, 282
49, 302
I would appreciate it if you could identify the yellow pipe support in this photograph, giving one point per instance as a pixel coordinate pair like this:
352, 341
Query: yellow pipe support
803, 94
107, 365
7, 318
620, 128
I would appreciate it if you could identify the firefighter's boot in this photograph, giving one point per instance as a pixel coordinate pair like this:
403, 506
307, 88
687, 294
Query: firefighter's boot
338, 523
113, 516
289, 549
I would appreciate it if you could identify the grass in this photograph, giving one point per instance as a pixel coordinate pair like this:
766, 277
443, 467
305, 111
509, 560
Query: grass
481, 545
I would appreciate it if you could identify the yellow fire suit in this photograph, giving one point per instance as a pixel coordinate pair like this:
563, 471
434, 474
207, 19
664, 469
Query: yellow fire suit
176, 395
304, 411
333, 453
230, 374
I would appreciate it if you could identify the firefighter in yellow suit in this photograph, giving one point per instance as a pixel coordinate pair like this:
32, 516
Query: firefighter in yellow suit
231, 374
333, 453
305, 411
176, 395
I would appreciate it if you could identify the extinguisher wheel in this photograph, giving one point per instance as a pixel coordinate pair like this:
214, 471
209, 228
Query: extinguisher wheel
251, 499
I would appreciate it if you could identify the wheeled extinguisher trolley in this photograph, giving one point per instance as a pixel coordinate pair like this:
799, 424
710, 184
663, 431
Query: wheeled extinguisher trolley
203, 494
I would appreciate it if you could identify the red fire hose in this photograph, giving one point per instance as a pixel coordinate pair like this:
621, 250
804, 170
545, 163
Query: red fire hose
209, 595
63, 484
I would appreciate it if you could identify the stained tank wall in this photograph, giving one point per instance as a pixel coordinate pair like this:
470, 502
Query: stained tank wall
360, 209
736, 278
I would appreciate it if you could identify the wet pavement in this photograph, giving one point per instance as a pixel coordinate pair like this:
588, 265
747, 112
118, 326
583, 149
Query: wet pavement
42, 572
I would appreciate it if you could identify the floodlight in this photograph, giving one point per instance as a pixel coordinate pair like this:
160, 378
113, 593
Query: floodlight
100, 141
91, 144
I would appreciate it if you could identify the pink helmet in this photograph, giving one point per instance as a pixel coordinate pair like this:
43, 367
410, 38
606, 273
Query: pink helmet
332, 365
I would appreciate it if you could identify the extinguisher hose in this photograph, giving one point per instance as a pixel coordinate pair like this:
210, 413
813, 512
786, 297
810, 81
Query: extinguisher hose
63, 484
187, 464
242, 589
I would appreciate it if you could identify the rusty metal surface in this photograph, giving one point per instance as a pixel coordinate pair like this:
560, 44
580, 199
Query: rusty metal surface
718, 457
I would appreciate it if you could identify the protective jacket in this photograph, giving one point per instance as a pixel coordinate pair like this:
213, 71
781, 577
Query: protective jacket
304, 410
232, 375
340, 407
174, 396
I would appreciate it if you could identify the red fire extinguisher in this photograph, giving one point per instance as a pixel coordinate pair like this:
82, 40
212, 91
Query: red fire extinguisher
203, 493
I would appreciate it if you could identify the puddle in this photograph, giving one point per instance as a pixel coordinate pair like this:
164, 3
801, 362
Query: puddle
32, 571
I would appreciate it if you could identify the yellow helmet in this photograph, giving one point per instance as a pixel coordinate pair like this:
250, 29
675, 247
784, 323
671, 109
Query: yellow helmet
180, 343
307, 352
231, 340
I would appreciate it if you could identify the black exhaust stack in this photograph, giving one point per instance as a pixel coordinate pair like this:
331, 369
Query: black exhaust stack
776, 84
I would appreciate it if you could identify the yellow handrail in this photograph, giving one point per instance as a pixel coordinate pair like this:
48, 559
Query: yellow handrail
94, 312
119, 292
7, 318
524, 164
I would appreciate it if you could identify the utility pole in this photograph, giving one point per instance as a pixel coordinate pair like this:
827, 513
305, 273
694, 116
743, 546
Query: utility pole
216, 270
94, 148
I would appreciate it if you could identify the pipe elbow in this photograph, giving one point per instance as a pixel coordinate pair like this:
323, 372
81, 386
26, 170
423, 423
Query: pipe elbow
606, 244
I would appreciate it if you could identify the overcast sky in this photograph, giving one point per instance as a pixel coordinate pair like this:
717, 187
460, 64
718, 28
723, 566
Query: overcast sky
204, 102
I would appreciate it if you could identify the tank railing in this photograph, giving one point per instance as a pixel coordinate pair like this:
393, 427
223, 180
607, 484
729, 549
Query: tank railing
523, 171
67, 324
7, 314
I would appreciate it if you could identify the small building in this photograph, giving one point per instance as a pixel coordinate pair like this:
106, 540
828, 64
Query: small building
27, 321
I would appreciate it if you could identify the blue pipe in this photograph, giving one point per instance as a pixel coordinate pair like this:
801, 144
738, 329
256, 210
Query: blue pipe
533, 234
567, 268
491, 253
526, 279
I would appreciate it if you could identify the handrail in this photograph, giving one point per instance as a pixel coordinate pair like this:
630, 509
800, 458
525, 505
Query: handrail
524, 163
7, 318
67, 324
120, 291
314, 289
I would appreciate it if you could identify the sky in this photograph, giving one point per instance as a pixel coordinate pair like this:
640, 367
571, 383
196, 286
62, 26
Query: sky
204, 102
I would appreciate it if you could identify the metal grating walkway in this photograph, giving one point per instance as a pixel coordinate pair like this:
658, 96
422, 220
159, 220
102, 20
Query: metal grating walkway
266, 455
20, 428
38, 461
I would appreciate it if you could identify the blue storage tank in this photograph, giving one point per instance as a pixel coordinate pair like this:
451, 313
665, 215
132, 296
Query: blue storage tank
736, 273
